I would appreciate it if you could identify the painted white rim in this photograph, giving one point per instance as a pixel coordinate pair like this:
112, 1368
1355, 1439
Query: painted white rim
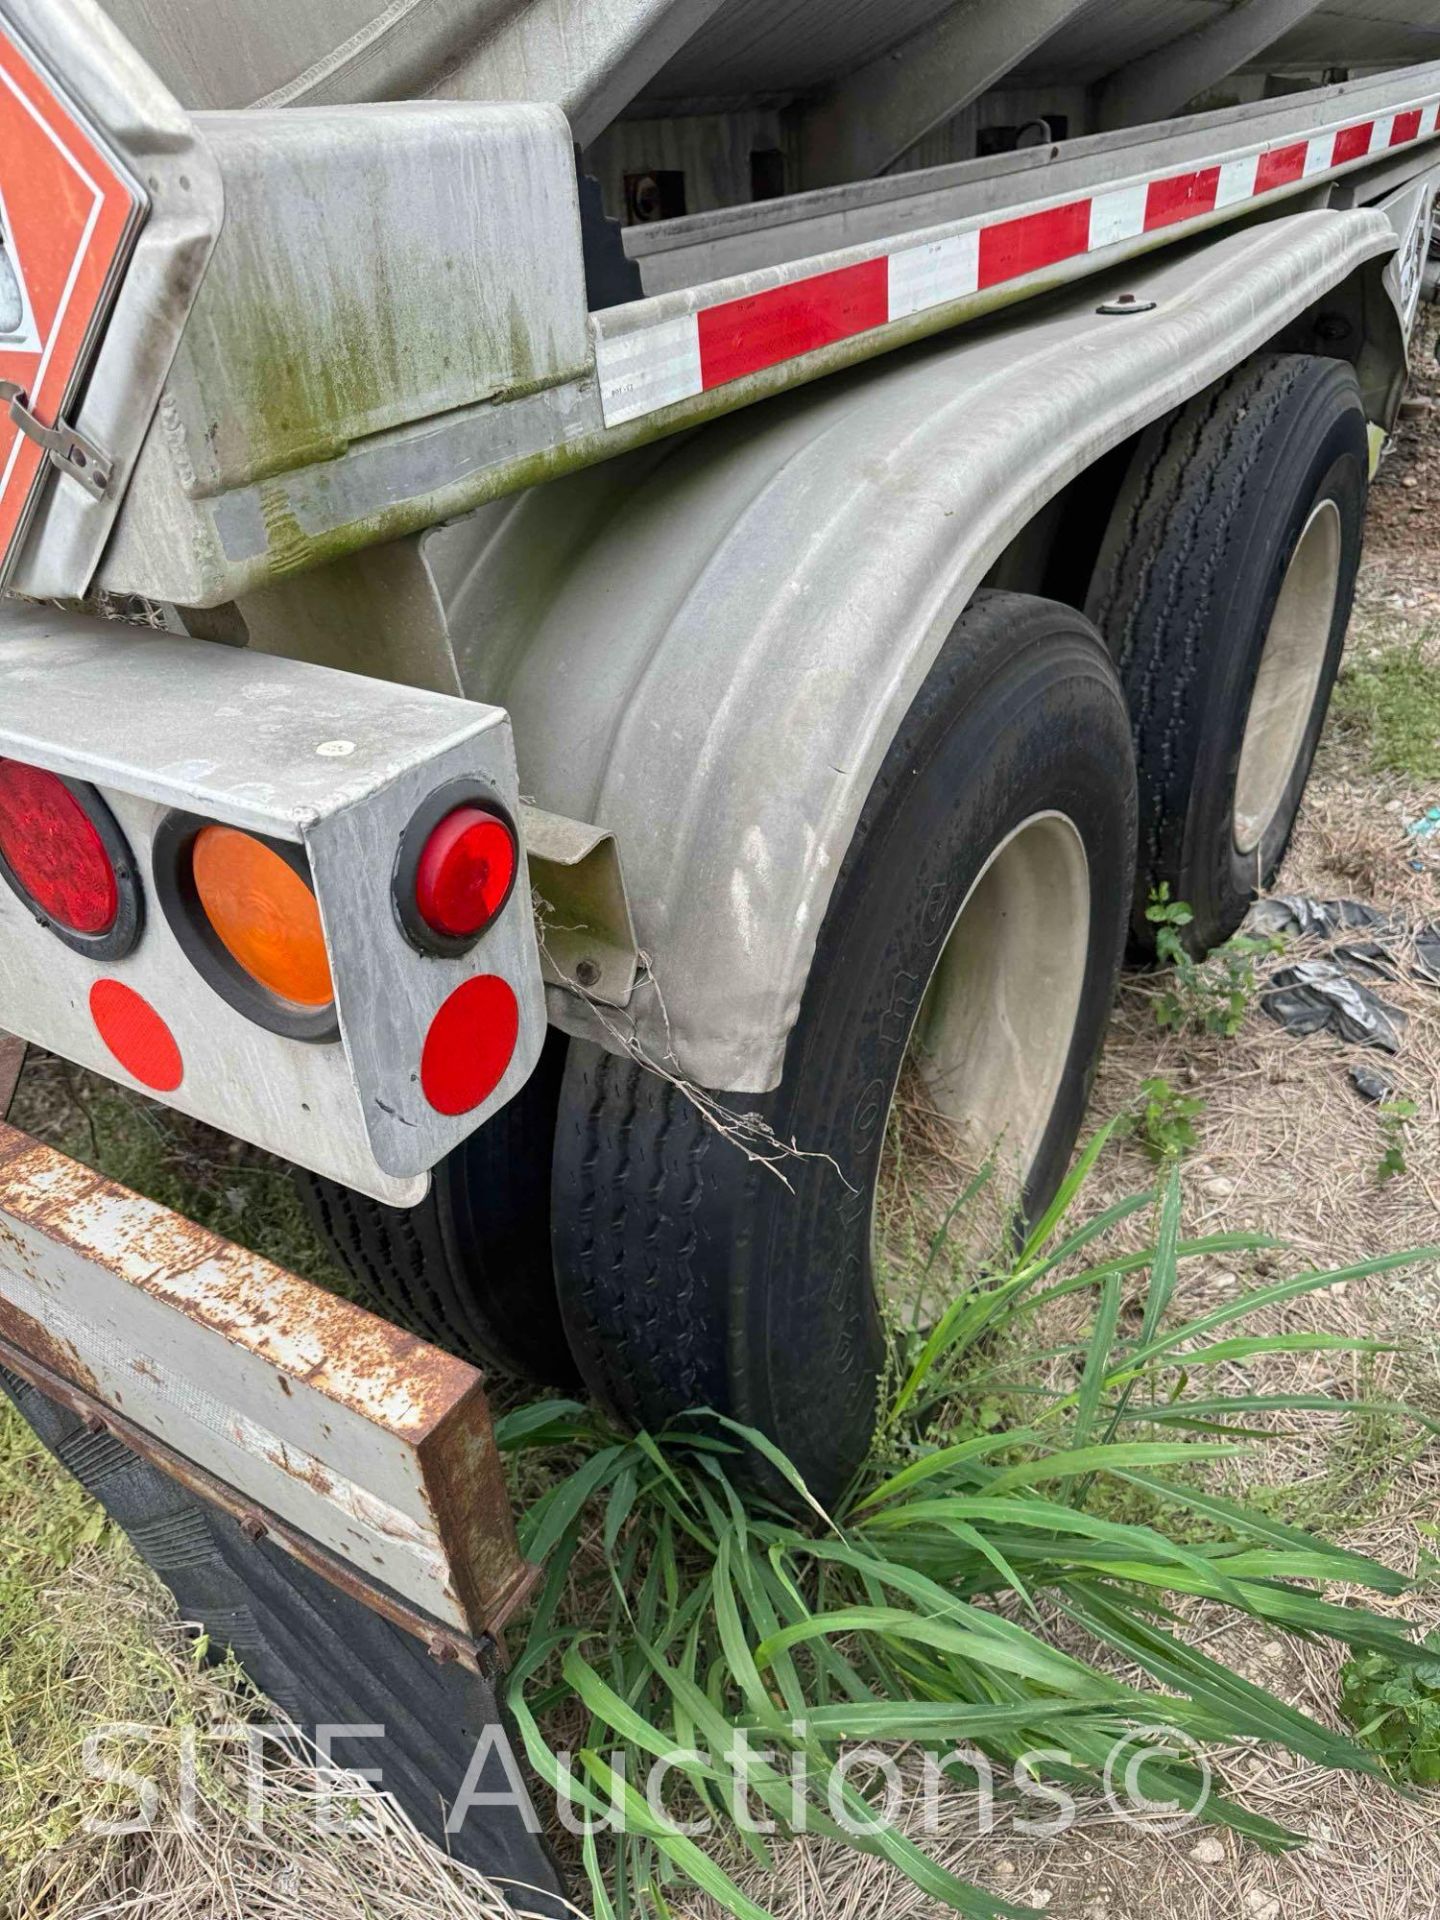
994, 1030
1289, 676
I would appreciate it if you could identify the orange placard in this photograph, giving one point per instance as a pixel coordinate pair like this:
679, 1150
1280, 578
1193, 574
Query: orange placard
68, 214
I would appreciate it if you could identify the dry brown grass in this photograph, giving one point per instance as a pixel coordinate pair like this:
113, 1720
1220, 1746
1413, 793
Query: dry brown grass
89, 1641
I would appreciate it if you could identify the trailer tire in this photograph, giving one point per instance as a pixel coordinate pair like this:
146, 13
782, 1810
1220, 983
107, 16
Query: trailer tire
1223, 588
690, 1275
469, 1267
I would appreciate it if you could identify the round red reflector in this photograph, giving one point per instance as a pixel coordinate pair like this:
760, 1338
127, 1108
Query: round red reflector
465, 873
52, 847
469, 1045
136, 1035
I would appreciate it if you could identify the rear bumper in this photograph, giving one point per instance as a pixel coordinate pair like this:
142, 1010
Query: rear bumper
345, 1524
361, 1451
344, 777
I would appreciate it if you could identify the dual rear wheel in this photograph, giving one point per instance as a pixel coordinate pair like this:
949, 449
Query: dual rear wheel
972, 942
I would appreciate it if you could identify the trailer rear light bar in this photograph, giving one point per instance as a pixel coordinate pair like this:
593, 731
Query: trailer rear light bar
263, 821
358, 1449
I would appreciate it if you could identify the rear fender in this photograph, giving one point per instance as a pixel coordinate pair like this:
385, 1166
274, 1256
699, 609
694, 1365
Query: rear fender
707, 646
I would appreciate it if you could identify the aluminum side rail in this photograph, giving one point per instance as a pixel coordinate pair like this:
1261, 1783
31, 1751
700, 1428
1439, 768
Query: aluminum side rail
677, 358
701, 247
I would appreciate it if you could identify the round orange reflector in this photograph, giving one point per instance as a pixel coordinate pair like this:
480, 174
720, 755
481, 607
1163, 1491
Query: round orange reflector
264, 915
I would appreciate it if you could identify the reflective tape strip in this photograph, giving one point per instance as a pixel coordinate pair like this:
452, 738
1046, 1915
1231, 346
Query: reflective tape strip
761, 329
1117, 216
660, 362
640, 372
932, 274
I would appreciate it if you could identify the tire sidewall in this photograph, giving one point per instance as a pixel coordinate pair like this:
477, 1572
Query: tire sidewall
1319, 458
998, 735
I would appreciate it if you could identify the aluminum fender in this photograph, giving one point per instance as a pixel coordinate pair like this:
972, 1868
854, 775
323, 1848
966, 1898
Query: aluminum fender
707, 646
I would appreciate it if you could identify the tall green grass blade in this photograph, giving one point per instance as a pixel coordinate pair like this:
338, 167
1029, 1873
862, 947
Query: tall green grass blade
1281, 1291
680, 1614
1066, 1195
1097, 1360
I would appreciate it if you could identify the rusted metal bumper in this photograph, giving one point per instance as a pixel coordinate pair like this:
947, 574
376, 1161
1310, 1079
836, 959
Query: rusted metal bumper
355, 1448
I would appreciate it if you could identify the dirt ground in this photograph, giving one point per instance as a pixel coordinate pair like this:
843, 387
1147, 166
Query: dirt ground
1286, 1144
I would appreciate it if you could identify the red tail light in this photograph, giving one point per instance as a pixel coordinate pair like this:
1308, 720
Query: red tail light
457, 866
63, 855
465, 873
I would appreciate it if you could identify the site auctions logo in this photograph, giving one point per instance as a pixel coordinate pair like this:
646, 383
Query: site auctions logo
1153, 1777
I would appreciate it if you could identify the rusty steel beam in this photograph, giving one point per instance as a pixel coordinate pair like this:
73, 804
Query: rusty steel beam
345, 1435
255, 1522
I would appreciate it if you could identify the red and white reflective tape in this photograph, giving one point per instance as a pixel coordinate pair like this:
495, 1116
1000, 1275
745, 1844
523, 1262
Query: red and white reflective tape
664, 361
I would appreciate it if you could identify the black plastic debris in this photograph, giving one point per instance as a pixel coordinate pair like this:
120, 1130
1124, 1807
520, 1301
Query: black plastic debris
1298, 913
1317, 995
1366, 956
1370, 1085
1393, 950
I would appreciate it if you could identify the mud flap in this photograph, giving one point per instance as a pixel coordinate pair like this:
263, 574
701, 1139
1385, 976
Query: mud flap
325, 1659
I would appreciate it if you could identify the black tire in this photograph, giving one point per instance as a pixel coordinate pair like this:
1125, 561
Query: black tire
688, 1275
1208, 518
469, 1268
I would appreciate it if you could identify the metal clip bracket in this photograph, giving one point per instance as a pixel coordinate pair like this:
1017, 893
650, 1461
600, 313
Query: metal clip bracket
70, 451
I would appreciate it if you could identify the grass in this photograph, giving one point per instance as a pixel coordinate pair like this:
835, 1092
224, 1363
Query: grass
1392, 699
970, 1588
1013, 1570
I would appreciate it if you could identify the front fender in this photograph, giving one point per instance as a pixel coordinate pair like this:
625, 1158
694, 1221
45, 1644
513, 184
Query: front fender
707, 646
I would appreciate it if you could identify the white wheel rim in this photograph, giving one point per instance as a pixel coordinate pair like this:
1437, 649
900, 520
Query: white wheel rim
1288, 679
994, 1031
